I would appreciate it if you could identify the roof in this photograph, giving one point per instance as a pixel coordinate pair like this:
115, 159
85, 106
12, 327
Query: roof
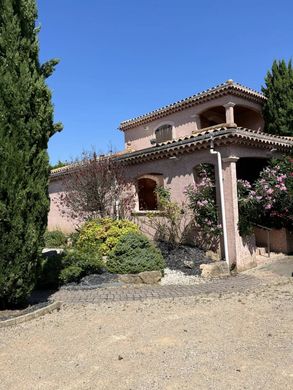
202, 140
229, 87
62, 171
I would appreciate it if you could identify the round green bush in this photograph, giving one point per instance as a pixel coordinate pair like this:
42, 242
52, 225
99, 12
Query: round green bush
72, 273
134, 253
89, 262
103, 234
55, 239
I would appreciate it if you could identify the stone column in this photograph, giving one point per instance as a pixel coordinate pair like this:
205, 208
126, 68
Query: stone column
197, 124
231, 205
229, 107
241, 251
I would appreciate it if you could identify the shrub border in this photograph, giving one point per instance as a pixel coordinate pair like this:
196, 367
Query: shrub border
30, 316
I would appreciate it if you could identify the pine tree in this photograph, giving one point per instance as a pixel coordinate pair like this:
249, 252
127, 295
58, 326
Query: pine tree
278, 109
26, 124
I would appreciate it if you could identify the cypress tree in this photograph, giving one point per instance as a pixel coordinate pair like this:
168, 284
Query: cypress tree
278, 109
26, 124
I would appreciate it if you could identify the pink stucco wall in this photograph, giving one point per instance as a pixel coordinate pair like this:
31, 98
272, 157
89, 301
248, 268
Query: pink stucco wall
58, 219
281, 240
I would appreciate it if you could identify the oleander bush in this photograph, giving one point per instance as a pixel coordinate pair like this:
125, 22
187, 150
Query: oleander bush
103, 234
269, 200
55, 239
134, 253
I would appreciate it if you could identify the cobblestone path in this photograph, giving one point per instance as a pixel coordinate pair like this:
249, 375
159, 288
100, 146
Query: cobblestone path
238, 284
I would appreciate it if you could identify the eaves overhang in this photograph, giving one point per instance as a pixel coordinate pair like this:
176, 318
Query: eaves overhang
221, 137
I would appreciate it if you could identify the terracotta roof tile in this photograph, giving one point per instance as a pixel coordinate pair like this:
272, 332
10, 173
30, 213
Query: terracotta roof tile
222, 89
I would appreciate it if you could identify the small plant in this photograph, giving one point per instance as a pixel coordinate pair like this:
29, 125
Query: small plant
72, 273
89, 262
170, 223
69, 266
55, 239
134, 253
103, 234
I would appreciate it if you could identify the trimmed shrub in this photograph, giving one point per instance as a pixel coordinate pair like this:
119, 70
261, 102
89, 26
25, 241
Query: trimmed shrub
89, 262
134, 253
55, 239
103, 234
67, 267
73, 273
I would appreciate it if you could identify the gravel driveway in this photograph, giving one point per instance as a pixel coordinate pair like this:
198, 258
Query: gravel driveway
236, 341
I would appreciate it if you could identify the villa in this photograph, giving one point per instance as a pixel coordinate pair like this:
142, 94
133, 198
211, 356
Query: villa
222, 126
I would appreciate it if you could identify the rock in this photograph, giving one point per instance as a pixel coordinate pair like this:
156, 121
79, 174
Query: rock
150, 277
52, 251
147, 277
188, 264
175, 256
213, 255
214, 270
130, 278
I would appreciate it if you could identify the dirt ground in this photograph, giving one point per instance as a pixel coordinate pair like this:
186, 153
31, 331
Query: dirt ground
239, 341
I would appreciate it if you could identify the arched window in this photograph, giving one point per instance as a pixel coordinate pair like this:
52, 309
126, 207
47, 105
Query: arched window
147, 198
163, 133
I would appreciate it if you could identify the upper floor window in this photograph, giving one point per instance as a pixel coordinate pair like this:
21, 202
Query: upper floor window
164, 133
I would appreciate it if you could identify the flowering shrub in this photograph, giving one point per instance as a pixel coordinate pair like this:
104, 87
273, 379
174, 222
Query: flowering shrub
103, 234
202, 201
269, 201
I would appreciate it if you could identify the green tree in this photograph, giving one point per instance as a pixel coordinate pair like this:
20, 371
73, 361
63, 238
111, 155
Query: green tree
26, 124
278, 109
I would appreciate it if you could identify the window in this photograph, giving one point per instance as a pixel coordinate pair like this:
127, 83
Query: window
164, 133
147, 198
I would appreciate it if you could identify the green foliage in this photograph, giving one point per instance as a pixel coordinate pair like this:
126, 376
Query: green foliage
89, 262
278, 109
169, 223
269, 200
49, 270
247, 208
55, 239
72, 273
57, 268
59, 164
26, 124
202, 201
103, 234
134, 253
77, 264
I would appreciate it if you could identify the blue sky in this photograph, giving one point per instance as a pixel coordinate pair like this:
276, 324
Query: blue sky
120, 58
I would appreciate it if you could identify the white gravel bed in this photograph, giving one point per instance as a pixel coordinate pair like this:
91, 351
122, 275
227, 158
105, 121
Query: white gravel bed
178, 277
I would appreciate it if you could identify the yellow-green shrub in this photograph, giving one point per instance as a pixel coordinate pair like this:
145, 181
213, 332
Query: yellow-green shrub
103, 234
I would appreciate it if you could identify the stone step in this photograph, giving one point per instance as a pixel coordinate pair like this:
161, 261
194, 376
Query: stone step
262, 251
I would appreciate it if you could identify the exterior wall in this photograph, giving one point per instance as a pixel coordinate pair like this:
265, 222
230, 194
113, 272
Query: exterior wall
281, 240
56, 219
186, 121
177, 174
